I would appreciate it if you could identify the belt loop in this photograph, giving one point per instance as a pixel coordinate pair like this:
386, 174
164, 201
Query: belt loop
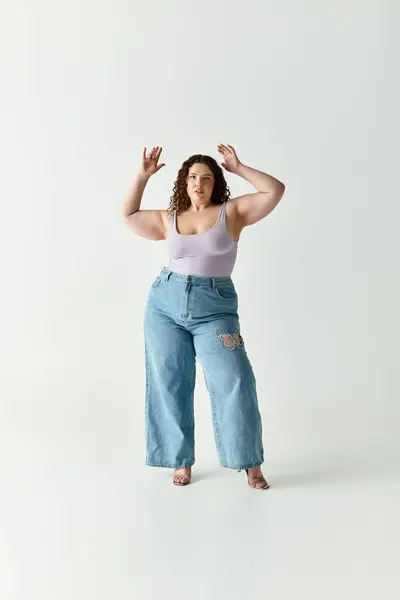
213, 283
168, 275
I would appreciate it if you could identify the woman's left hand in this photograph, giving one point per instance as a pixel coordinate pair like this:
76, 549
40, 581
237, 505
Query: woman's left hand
231, 162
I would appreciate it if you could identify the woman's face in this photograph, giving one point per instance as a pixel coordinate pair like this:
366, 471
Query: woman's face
199, 184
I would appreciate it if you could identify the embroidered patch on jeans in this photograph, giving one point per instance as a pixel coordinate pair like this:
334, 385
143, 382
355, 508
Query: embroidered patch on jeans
230, 341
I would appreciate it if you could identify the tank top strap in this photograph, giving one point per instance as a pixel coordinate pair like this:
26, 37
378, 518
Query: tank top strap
172, 226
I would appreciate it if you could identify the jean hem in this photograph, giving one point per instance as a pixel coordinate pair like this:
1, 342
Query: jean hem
169, 466
243, 467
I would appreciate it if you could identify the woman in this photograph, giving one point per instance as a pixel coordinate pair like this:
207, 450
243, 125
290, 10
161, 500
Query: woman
192, 309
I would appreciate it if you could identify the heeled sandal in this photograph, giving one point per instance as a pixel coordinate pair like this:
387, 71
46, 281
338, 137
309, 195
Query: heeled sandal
186, 481
255, 480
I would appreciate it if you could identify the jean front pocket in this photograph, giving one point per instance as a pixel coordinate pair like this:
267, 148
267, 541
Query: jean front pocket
226, 291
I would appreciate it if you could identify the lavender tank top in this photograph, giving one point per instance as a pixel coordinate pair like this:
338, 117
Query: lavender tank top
211, 253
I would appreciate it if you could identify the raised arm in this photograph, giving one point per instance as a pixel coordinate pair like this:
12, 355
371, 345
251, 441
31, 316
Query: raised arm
251, 208
150, 224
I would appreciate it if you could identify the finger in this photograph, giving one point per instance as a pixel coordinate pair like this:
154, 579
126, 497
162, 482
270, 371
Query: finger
224, 147
232, 148
159, 152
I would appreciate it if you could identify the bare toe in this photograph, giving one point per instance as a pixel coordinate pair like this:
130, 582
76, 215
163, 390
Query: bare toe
180, 478
256, 479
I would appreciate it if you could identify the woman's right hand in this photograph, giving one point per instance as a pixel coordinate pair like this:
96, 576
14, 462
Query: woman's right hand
149, 162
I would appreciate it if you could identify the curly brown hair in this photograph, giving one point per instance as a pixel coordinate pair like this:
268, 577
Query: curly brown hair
180, 200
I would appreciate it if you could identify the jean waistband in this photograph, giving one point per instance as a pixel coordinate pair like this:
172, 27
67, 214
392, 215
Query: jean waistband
167, 274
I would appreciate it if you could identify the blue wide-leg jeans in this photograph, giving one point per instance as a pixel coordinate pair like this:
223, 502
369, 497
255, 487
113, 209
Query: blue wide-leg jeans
187, 317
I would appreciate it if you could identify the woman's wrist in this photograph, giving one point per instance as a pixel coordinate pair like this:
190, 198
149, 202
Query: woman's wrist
240, 169
142, 176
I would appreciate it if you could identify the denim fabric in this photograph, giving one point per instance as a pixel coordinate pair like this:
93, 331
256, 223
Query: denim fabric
187, 317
